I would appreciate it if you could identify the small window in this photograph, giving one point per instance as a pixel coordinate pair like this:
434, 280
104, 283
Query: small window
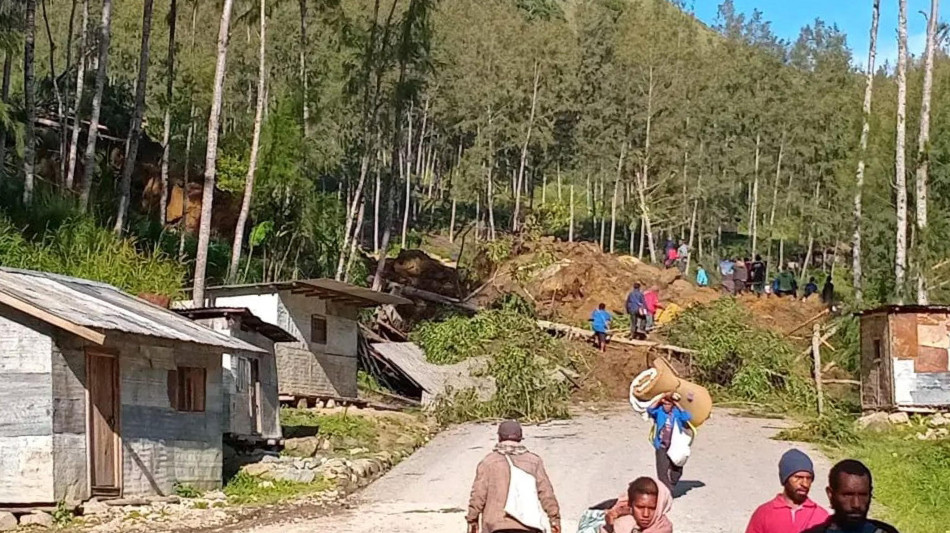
186, 389
877, 350
318, 329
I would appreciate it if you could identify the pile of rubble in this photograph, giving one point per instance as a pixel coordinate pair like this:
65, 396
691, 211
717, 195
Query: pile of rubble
933, 427
9, 521
348, 473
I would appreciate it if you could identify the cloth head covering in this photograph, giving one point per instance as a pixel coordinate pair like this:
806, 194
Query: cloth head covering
792, 462
660, 523
510, 430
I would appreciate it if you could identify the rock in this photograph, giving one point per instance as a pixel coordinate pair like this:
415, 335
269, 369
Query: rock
298, 476
939, 420
302, 447
94, 507
898, 418
270, 459
331, 404
215, 495
258, 469
358, 451
875, 421
326, 444
152, 500
266, 484
7, 521
37, 518
302, 403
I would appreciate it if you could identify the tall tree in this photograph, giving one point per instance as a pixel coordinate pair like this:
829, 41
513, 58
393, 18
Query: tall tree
29, 103
252, 160
135, 131
900, 169
80, 83
303, 68
211, 155
89, 168
4, 100
169, 101
857, 278
60, 114
923, 151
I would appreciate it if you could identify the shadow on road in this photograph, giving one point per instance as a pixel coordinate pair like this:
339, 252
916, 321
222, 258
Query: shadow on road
685, 486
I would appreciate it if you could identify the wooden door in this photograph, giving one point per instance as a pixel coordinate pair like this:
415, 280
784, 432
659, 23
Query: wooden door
102, 373
255, 390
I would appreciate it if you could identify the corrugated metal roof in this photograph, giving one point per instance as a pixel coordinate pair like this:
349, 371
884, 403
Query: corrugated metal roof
905, 309
434, 379
248, 319
325, 289
98, 306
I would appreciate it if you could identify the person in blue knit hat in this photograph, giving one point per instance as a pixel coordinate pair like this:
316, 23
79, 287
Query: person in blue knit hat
791, 511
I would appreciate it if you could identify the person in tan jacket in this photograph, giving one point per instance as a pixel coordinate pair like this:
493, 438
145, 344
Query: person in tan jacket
490, 490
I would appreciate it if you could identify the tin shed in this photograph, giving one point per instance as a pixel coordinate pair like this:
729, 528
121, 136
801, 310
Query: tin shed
904, 357
104, 394
322, 315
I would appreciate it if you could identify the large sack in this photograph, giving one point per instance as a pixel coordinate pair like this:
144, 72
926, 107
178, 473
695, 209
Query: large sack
662, 379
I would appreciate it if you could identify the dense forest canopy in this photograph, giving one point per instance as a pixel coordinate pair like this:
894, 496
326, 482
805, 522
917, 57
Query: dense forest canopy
627, 122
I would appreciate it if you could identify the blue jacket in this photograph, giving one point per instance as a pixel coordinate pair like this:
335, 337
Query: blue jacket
680, 418
702, 279
635, 301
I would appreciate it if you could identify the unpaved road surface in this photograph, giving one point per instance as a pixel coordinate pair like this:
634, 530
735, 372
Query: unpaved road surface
733, 469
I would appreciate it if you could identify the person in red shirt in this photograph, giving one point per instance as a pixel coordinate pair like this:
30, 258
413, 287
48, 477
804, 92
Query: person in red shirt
652, 300
791, 511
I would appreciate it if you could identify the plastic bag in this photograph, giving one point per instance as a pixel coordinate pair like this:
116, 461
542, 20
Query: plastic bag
679, 446
523, 503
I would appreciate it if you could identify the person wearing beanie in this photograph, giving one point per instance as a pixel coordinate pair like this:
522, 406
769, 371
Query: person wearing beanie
791, 511
490, 489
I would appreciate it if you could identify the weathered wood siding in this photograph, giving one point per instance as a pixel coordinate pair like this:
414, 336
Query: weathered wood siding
26, 418
69, 419
875, 362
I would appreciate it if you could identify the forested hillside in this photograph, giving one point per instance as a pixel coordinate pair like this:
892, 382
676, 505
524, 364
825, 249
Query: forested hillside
344, 126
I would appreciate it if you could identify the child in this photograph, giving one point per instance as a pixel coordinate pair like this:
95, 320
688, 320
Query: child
600, 323
702, 279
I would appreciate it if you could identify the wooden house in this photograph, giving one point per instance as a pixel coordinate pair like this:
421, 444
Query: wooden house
104, 394
904, 357
323, 317
251, 409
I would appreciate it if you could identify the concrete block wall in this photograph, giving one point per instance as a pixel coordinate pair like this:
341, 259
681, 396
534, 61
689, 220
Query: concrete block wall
69, 420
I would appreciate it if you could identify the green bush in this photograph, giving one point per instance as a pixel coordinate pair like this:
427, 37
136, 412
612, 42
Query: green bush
336, 427
742, 362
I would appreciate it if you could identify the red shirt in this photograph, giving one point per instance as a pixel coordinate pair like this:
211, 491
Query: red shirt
775, 516
652, 300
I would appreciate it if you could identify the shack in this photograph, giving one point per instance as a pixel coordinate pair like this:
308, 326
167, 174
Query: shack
323, 317
250, 405
904, 357
103, 394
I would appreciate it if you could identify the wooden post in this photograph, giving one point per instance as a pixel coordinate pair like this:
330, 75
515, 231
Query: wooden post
816, 353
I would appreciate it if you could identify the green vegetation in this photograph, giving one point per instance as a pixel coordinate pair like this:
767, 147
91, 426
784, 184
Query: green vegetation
184, 490
338, 427
244, 489
741, 362
521, 358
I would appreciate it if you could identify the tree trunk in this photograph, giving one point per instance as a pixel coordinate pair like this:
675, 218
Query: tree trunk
80, 82
559, 181
4, 97
613, 202
255, 147
125, 188
89, 167
643, 179
183, 221
490, 202
857, 275
211, 156
923, 153
355, 241
408, 200
900, 171
169, 95
570, 230
60, 114
376, 210
452, 222
303, 67
524, 147
353, 210
422, 136
754, 220
29, 103
778, 177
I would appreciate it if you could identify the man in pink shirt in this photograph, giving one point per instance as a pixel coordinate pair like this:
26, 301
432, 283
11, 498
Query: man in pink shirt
652, 300
791, 511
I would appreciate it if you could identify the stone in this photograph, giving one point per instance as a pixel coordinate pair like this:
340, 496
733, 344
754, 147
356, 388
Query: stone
302, 403
302, 447
37, 518
898, 418
270, 459
326, 444
215, 495
876, 421
7, 521
358, 451
258, 469
266, 484
94, 507
298, 476
331, 404
939, 420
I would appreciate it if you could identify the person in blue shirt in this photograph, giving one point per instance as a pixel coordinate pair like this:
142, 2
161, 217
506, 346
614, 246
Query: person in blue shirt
702, 279
666, 414
600, 323
810, 288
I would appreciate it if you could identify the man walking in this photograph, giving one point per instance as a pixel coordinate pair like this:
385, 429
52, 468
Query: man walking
600, 323
757, 275
637, 309
490, 490
667, 417
792, 511
849, 491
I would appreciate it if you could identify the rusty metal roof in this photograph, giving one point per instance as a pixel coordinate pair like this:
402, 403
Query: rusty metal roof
325, 289
905, 309
91, 309
248, 319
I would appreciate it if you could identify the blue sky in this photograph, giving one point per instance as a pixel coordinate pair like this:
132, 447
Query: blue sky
852, 16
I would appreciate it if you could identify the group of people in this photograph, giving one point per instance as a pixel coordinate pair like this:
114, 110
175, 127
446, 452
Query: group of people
743, 275
642, 306
646, 505
676, 255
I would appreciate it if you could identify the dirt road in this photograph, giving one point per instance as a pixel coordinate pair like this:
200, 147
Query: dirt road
589, 458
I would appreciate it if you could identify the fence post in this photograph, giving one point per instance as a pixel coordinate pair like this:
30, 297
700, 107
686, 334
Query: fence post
816, 354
